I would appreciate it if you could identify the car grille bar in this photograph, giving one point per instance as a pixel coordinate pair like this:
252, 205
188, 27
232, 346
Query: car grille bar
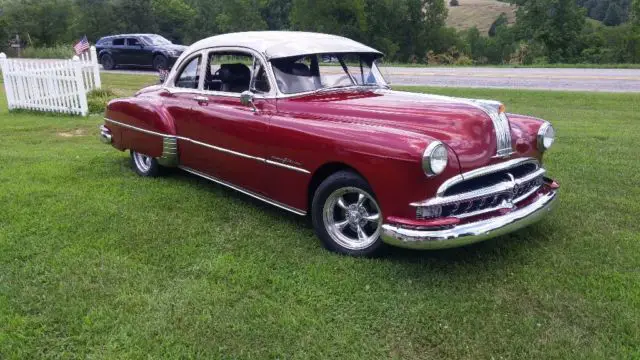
499, 188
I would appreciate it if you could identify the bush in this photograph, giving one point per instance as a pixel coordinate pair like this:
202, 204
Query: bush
55, 52
454, 3
98, 99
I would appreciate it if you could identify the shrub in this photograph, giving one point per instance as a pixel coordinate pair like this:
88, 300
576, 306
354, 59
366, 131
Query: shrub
98, 99
454, 3
55, 52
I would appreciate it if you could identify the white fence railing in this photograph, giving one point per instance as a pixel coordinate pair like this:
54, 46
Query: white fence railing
51, 85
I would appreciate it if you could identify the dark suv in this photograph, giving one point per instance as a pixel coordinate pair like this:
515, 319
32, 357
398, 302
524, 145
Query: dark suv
148, 50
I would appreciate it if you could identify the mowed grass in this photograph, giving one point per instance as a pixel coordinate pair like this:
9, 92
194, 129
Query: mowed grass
479, 13
96, 262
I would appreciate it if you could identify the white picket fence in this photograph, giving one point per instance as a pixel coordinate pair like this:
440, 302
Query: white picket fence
51, 85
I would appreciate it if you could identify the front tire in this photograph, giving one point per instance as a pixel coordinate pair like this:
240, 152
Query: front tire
346, 215
144, 165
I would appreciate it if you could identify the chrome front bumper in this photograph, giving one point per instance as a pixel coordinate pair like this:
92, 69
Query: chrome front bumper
473, 232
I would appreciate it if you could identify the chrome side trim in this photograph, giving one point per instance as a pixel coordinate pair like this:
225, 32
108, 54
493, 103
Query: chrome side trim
472, 232
245, 191
135, 128
171, 147
301, 170
484, 171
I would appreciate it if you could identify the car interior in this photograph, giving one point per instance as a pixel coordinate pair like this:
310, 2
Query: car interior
231, 72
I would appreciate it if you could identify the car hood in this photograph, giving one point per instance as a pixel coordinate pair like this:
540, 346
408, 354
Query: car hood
180, 48
460, 123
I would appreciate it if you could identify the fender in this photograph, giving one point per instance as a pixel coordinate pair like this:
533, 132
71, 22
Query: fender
143, 124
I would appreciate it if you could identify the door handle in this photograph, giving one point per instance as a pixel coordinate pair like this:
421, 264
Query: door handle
201, 99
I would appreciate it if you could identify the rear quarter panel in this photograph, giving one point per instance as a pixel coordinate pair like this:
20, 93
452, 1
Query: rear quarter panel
144, 112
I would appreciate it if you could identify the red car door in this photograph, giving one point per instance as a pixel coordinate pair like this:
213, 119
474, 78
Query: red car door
225, 138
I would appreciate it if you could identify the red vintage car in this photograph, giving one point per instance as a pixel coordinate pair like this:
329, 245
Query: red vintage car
307, 123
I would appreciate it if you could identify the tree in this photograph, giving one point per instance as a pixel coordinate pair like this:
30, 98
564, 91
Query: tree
500, 21
555, 23
613, 16
341, 17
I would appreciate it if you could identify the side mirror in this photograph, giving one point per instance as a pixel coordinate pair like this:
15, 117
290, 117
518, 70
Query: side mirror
246, 98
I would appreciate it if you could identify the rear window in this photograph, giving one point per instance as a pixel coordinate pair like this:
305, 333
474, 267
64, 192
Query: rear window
104, 41
118, 42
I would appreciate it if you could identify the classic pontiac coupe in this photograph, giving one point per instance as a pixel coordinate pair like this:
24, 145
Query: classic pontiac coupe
307, 123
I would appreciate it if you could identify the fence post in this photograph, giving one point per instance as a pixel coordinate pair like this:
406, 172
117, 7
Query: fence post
96, 68
7, 80
82, 93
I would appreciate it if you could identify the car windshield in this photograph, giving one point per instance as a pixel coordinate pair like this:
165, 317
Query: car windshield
317, 72
156, 40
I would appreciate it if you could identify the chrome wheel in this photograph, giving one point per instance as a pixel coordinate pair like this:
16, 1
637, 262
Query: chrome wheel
143, 162
352, 218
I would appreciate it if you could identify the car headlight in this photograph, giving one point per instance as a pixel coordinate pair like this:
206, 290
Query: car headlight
434, 159
546, 136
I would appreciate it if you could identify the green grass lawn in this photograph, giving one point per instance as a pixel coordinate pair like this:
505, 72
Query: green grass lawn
96, 262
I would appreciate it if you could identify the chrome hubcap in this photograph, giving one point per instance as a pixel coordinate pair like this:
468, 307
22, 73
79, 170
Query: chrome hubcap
352, 218
143, 162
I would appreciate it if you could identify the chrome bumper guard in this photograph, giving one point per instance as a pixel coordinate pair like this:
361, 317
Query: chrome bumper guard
105, 135
469, 233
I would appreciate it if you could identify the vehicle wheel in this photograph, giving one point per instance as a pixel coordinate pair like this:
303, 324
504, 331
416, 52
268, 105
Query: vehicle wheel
160, 62
346, 215
107, 62
144, 165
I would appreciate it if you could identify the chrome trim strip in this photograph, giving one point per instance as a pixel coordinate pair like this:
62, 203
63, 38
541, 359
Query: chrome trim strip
217, 148
136, 128
274, 163
105, 134
244, 191
472, 232
483, 171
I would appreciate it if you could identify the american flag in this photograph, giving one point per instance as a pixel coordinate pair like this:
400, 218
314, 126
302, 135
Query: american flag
81, 46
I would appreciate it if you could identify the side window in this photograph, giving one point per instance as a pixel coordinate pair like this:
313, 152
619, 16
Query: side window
260, 80
228, 72
189, 76
118, 42
133, 42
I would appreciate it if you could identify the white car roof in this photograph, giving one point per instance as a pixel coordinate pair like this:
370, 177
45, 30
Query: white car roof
280, 44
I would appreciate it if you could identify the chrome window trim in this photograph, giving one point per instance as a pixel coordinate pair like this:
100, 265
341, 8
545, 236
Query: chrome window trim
217, 148
484, 171
245, 191
170, 83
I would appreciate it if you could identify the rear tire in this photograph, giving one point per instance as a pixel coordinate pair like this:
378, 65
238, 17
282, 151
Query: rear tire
160, 62
145, 165
346, 216
107, 61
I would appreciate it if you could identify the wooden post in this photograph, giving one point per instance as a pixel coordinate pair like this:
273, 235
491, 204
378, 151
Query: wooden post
97, 83
80, 89
6, 75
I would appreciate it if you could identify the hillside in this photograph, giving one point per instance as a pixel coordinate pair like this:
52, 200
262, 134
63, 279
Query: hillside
478, 13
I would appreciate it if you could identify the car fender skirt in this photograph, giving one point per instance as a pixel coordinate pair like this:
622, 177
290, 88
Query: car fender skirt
473, 232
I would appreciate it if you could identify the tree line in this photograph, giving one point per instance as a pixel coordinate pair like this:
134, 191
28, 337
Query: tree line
405, 30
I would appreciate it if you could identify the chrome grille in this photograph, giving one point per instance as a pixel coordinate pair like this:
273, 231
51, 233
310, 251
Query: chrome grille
485, 190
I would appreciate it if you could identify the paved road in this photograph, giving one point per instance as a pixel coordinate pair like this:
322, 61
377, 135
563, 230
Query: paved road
609, 80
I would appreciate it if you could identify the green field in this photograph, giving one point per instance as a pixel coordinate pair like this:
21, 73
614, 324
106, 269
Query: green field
96, 262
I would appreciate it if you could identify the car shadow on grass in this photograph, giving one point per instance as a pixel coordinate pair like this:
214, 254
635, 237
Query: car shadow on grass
499, 251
